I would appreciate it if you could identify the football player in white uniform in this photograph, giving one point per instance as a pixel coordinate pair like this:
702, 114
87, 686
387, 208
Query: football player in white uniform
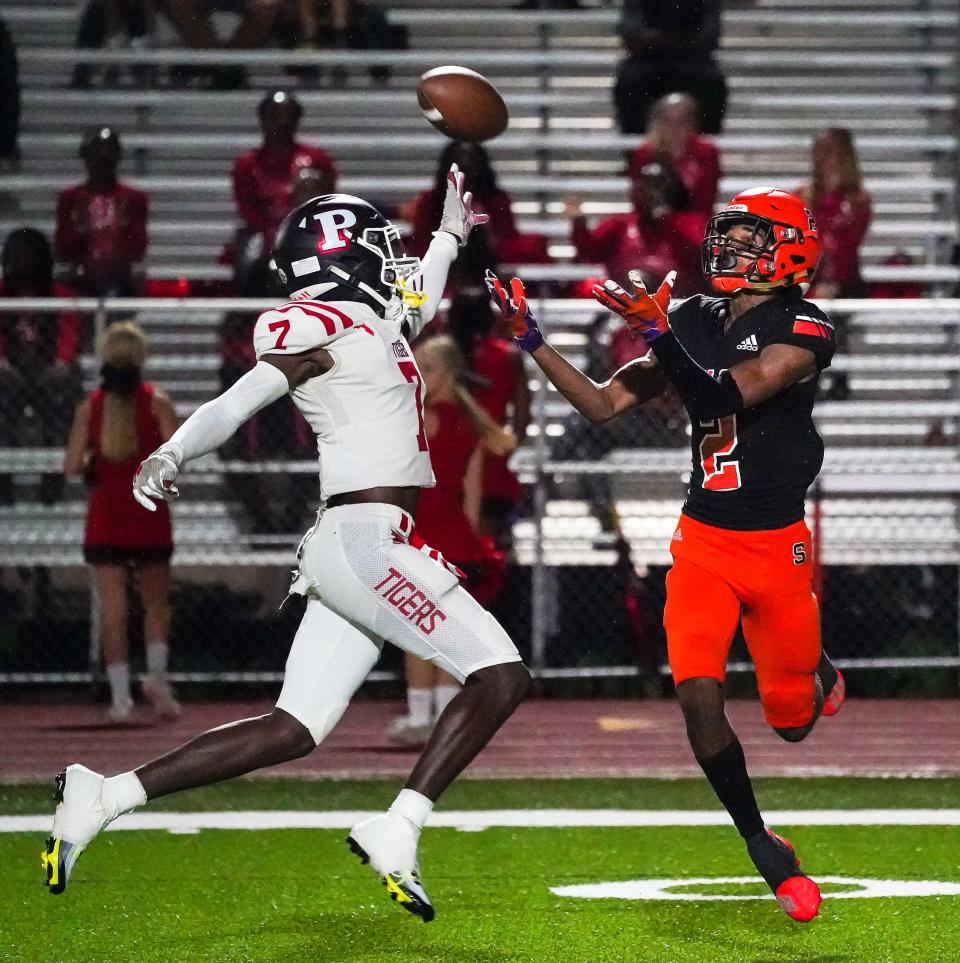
340, 347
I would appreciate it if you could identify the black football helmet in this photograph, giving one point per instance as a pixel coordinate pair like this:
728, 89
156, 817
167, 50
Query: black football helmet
340, 239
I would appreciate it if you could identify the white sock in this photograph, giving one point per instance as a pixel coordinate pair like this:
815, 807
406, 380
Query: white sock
122, 793
420, 706
443, 695
118, 675
412, 806
157, 653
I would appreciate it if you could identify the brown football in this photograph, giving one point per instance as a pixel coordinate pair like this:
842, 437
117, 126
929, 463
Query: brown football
462, 104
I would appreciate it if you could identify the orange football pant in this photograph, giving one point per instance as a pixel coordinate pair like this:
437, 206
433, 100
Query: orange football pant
721, 577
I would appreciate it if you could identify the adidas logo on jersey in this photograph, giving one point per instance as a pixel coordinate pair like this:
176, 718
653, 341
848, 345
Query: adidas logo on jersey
749, 344
400, 349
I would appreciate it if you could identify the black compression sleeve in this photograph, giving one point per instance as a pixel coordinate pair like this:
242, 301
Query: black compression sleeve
705, 395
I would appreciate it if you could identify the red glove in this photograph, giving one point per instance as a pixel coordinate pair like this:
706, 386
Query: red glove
514, 307
644, 313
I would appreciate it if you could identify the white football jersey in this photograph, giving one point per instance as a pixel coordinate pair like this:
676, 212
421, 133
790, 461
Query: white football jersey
367, 410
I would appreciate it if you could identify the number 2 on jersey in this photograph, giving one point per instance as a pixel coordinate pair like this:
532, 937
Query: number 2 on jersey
409, 370
720, 472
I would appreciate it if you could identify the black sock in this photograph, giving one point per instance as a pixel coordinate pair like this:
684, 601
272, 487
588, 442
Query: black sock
773, 859
727, 773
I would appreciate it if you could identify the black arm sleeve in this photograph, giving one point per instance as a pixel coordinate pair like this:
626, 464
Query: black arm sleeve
705, 395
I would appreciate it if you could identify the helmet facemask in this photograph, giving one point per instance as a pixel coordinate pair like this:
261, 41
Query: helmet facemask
721, 253
400, 273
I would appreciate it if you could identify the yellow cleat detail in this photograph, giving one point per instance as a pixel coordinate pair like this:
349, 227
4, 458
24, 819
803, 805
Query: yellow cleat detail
50, 861
395, 890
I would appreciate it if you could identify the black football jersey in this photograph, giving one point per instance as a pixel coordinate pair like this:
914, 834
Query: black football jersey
752, 469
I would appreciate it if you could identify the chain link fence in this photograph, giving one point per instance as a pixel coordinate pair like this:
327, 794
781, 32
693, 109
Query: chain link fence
588, 546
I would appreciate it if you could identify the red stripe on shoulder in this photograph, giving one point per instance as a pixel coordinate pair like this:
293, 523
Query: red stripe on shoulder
815, 328
345, 319
329, 323
340, 320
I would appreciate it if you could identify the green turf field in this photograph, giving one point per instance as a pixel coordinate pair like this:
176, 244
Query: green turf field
291, 895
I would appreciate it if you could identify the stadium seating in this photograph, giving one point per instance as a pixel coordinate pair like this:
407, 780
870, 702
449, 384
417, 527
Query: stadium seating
885, 68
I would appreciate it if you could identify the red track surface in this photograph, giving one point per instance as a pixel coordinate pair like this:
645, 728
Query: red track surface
554, 738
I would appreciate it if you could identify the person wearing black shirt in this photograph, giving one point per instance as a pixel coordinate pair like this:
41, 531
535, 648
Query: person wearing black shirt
670, 48
746, 367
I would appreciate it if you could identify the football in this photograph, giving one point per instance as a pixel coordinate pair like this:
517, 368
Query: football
462, 104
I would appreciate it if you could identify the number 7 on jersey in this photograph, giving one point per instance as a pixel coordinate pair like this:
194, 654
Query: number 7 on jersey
409, 370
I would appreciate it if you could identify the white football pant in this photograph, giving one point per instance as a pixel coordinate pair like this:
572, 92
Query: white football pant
367, 584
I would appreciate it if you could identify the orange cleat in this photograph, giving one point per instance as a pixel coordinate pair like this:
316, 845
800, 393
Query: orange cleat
776, 859
799, 897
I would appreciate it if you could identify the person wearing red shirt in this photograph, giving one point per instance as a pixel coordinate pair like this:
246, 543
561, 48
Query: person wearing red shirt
38, 353
506, 244
264, 178
113, 429
842, 209
102, 224
279, 431
661, 234
494, 371
673, 139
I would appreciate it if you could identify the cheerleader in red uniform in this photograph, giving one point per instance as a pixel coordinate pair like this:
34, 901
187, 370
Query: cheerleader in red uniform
499, 384
114, 429
459, 431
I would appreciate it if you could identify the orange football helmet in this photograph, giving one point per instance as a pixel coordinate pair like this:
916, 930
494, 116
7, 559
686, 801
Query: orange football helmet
781, 246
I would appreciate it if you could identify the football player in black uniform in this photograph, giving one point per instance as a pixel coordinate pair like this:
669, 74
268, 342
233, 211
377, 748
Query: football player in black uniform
746, 367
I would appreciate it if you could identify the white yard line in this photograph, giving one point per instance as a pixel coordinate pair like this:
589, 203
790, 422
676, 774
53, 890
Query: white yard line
475, 820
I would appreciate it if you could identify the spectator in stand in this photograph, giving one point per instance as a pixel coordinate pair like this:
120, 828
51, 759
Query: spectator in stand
458, 431
101, 234
673, 140
264, 180
38, 354
493, 369
116, 25
269, 182
191, 18
660, 235
506, 244
670, 48
9, 101
114, 429
342, 25
841, 207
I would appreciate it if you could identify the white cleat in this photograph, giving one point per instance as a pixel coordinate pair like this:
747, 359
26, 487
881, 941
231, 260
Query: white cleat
120, 712
159, 694
405, 732
80, 815
389, 844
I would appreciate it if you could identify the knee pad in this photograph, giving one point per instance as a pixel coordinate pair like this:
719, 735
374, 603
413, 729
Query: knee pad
790, 704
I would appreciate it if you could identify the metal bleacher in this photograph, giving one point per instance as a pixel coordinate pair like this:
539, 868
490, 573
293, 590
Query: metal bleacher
887, 69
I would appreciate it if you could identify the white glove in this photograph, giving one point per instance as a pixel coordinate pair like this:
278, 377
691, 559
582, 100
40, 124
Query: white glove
155, 476
458, 217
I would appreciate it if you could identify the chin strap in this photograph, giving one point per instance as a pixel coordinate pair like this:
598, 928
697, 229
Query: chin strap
351, 281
